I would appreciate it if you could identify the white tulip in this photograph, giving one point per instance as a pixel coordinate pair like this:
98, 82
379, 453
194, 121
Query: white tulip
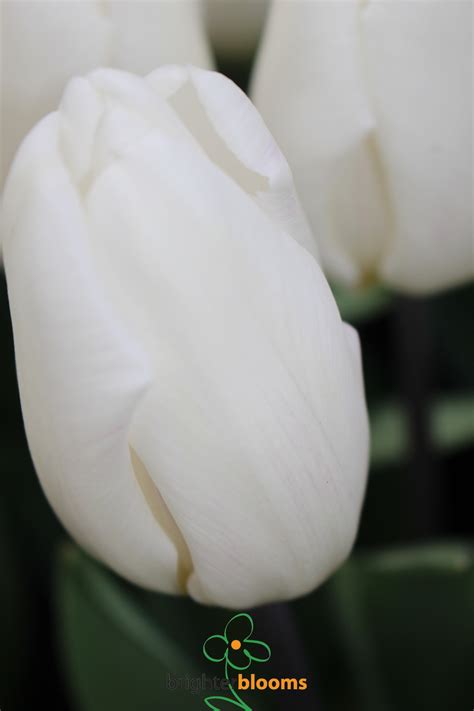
193, 402
46, 42
371, 101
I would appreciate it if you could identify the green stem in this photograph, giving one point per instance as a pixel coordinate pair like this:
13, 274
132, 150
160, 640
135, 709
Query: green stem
243, 705
423, 488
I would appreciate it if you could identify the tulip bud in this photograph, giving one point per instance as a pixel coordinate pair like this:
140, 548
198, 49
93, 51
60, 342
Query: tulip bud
45, 43
372, 103
193, 402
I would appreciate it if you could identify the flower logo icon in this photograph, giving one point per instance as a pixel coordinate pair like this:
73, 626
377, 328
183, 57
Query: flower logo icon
237, 649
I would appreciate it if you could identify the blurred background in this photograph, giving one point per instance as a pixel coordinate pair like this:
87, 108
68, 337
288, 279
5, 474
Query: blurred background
392, 630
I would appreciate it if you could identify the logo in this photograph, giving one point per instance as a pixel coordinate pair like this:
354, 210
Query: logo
237, 649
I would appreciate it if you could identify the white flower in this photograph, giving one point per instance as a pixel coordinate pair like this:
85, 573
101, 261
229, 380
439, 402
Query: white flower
371, 102
193, 403
45, 43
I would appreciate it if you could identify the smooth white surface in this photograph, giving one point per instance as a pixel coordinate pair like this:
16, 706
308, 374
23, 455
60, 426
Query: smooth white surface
163, 305
47, 42
371, 101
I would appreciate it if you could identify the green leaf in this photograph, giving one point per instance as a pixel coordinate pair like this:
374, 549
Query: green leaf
124, 647
398, 627
454, 335
359, 305
453, 422
452, 427
389, 434
116, 658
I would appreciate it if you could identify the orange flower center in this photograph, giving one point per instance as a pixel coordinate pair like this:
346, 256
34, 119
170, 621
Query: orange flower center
236, 644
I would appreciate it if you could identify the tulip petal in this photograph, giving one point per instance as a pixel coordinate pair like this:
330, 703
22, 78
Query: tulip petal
419, 63
81, 377
28, 30
227, 125
376, 121
149, 33
310, 90
85, 35
255, 429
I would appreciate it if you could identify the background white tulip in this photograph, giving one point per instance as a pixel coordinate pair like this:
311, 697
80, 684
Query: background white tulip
193, 402
46, 42
371, 102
